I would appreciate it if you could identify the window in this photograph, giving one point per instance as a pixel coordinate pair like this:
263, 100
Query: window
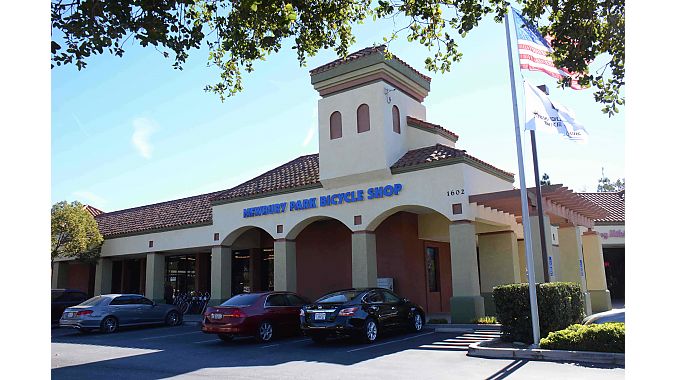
390, 298
241, 300
363, 118
338, 297
396, 120
336, 125
74, 297
142, 301
373, 297
122, 300
93, 301
294, 300
432, 264
276, 300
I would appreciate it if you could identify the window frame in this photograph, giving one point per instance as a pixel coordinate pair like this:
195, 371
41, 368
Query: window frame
360, 116
337, 132
396, 127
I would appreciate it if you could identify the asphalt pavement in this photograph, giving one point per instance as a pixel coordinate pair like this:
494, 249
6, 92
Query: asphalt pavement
187, 353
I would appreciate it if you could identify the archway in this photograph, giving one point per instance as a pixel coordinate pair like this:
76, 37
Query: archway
252, 255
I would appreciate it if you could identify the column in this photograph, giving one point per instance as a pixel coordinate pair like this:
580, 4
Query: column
104, 276
523, 265
596, 272
221, 274
364, 261
498, 264
572, 262
466, 302
552, 254
60, 275
285, 265
155, 277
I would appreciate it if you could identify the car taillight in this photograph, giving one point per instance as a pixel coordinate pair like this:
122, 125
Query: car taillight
235, 313
348, 312
84, 312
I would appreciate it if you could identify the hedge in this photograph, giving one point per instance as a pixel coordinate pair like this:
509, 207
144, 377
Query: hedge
560, 304
605, 337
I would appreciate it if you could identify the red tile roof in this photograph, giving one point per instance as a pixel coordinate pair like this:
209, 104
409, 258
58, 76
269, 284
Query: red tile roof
437, 153
611, 202
360, 54
93, 210
433, 127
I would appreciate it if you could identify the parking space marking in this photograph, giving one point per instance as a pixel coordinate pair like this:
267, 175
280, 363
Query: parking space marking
207, 341
270, 345
392, 341
166, 336
300, 340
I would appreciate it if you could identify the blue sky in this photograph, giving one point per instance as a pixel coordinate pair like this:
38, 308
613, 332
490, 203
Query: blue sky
133, 131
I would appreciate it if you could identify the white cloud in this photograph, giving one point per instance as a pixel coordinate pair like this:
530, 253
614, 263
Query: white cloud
90, 198
143, 128
310, 135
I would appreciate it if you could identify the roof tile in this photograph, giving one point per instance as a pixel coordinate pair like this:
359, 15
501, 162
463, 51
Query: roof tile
613, 202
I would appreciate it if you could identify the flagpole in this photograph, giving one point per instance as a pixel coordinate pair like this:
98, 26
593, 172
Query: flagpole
525, 220
538, 197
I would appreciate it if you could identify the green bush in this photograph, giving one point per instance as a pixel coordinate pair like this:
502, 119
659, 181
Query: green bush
560, 304
605, 337
487, 320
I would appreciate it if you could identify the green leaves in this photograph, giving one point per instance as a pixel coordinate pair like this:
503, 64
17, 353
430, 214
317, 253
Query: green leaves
74, 231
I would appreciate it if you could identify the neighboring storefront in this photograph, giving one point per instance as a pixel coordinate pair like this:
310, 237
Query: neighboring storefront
388, 200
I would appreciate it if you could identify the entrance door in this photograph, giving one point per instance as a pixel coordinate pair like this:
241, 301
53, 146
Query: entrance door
241, 282
433, 284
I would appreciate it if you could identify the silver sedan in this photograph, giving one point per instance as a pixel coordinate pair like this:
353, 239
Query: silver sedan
108, 312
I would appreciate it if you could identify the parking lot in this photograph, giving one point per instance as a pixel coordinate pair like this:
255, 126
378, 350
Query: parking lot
186, 352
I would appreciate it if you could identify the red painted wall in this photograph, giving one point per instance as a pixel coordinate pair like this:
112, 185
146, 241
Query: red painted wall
79, 277
323, 258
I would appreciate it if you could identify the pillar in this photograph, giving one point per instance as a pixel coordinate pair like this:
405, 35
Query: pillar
364, 261
523, 264
60, 275
285, 265
221, 274
595, 272
552, 254
104, 276
155, 274
572, 262
498, 264
466, 302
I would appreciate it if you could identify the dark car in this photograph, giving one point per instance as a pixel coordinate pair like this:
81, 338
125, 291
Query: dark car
361, 313
108, 312
262, 315
63, 298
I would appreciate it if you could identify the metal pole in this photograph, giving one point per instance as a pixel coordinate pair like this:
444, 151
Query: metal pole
541, 217
535, 319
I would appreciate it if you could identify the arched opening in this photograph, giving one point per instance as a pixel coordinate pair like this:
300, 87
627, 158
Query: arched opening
396, 120
363, 118
413, 249
323, 257
252, 260
335, 125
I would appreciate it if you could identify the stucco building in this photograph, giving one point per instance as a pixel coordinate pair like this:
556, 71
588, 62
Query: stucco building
388, 199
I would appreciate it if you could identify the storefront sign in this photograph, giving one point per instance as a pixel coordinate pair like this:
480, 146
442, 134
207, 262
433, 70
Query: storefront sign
325, 200
612, 234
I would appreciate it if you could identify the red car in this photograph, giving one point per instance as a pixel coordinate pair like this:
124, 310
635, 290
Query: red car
262, 315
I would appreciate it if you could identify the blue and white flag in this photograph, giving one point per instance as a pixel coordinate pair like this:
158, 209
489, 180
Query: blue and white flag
542, 113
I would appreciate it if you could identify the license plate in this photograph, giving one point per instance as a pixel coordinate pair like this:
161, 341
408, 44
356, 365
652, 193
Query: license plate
70, 315
320, 316
216, 316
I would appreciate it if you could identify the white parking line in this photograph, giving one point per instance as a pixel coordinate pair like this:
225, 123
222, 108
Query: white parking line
300, 340
392, 341
165, 336
270, 345
207, 341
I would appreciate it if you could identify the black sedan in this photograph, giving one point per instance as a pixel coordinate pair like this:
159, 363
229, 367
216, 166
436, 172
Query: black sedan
361, 313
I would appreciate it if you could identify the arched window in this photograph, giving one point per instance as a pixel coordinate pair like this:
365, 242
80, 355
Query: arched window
396, 120
363, 118
336, 125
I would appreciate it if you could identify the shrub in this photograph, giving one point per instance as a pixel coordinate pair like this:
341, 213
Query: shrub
485, 320
560, 304
605, 337
437, 321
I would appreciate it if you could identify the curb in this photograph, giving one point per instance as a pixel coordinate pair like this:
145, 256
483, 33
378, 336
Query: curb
452, 327
479, 350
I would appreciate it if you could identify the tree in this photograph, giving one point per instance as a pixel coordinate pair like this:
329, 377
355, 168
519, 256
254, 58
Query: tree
74, 232
606, 186
545, 180
239, 33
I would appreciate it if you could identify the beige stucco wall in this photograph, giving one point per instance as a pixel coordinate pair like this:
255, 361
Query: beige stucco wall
611, 235
162, 241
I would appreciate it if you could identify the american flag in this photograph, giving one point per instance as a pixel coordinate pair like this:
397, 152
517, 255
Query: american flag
533, 49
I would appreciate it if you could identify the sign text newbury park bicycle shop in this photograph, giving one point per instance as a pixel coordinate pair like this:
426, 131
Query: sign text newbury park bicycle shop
325, 200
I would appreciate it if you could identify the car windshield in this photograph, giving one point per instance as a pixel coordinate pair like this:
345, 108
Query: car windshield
92, 301
241, 300
339, 297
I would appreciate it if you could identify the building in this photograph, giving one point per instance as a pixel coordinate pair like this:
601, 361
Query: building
388, 200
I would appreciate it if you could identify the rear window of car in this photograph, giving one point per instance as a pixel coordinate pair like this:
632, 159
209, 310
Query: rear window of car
241, 300
338, 297
56, 294
93, 301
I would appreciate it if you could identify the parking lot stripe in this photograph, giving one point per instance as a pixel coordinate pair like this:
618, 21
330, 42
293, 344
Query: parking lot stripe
270, 345
166, 336
392, 341
207, 341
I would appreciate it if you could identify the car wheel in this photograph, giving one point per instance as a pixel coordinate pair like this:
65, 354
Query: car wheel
109, 325
318, 338
370, 331
264, 333
172, 319
416, 322
225, 337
